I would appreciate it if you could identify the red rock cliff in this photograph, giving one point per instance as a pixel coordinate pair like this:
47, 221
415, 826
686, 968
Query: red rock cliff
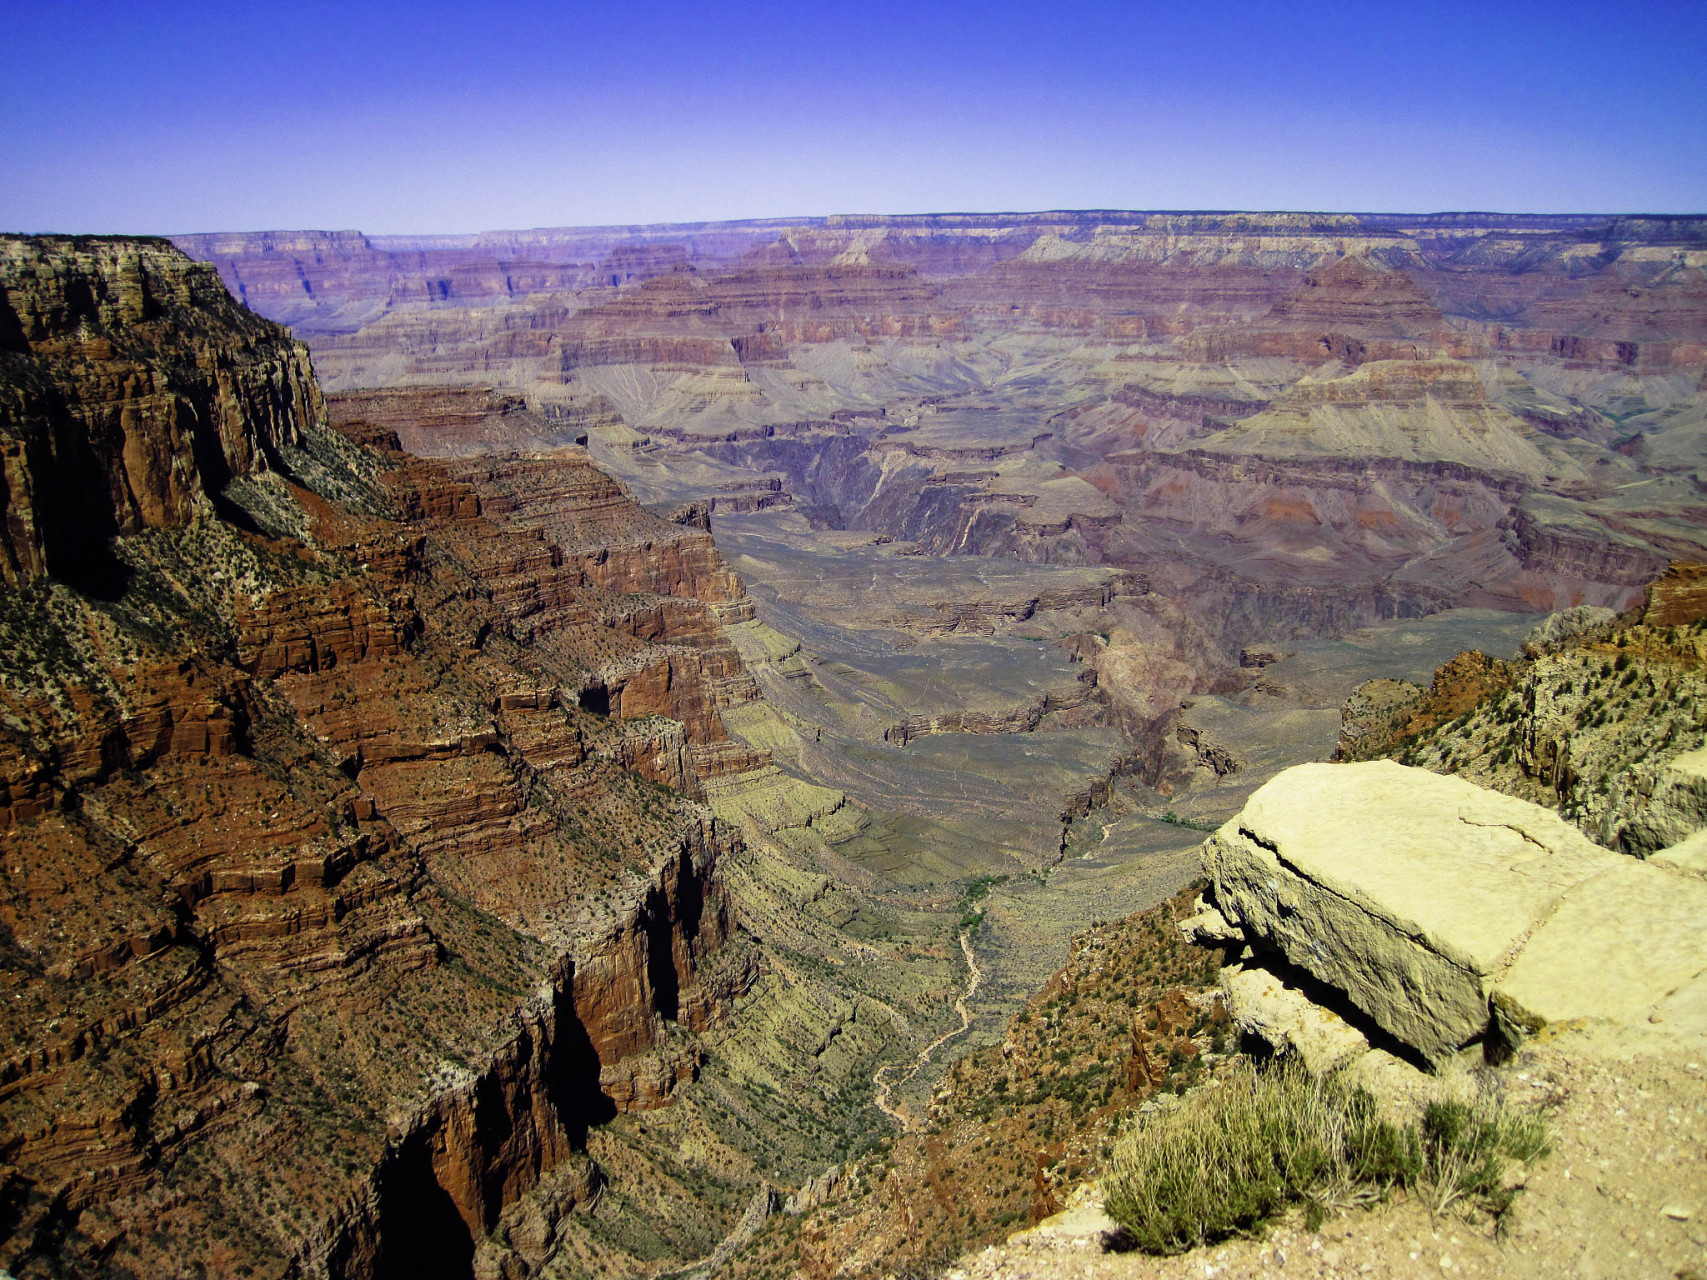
331, 913
136, 389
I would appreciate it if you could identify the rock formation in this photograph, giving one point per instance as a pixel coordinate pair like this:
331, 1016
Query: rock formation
136, 390
1591, 719
388, 842
1677, 597
1446, 913
338, 898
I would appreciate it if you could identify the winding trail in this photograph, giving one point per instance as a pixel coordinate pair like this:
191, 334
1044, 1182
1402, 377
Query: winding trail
885, 1089
766, 1200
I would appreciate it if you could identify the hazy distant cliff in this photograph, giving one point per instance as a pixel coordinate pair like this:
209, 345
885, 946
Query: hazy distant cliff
1291, 422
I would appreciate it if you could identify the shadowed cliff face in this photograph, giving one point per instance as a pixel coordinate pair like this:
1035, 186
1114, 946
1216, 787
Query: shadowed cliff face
333, 920
136, 392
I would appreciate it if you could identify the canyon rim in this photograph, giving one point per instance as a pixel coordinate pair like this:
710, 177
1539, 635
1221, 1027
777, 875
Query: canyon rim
662, 750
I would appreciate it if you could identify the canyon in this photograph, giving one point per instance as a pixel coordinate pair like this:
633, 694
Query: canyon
357, 874
1146, 442
1312, 420
594, 735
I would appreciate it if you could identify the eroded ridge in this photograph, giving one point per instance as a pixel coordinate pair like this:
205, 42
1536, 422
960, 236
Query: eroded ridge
340, 893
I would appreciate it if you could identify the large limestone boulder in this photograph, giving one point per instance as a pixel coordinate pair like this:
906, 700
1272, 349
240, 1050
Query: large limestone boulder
1435, 905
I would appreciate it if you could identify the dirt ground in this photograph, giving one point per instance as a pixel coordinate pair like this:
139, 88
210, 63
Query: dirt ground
1622, 1196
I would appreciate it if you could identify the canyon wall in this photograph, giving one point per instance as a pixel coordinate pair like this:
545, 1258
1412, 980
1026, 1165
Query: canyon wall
339, 895
1458, 409
130, 373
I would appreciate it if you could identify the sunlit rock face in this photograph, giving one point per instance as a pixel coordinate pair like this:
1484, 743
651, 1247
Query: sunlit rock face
340, 892
1394, 413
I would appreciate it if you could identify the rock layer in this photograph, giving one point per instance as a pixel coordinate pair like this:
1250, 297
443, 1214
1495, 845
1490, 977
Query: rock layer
335, 905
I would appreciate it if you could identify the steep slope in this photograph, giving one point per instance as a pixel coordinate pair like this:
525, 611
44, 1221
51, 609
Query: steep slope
1602, 718
355, 884
1014, 1126
125, 378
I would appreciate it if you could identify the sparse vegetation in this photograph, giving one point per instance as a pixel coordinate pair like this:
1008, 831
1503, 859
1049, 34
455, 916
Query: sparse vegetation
977, 889
1230, 1157
1586, 724
1195, 824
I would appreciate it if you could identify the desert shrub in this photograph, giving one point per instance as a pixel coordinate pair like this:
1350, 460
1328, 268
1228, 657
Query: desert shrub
1466, 1148
1226, 1159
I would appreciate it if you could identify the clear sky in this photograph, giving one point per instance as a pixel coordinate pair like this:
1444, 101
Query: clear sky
443, 115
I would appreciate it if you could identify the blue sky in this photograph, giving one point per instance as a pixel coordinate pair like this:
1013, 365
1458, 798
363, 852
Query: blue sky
448, 116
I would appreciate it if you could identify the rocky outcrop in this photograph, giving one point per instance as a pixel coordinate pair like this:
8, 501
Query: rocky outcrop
335, 916
1383, 712
1566, 624
1676, 809
307, 629
1446, 913
1589, 720
1677, 597
132, 375
1055, 706
439, 421
1279, 1014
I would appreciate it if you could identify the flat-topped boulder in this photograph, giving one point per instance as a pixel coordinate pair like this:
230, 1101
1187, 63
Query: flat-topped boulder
1432, 902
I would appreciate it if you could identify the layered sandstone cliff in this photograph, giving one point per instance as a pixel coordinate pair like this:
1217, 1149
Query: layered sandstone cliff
338, 894
137, 389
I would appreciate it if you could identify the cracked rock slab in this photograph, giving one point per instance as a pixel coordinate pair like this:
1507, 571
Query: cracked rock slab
1421, 895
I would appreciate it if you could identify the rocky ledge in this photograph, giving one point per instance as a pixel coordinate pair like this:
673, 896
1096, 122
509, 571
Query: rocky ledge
1435, 914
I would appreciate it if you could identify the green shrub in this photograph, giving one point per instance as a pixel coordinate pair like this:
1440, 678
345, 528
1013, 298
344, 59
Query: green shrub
1466, 1148
1229, 1158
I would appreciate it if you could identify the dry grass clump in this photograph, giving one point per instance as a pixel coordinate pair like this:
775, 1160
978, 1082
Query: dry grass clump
1228, 1158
